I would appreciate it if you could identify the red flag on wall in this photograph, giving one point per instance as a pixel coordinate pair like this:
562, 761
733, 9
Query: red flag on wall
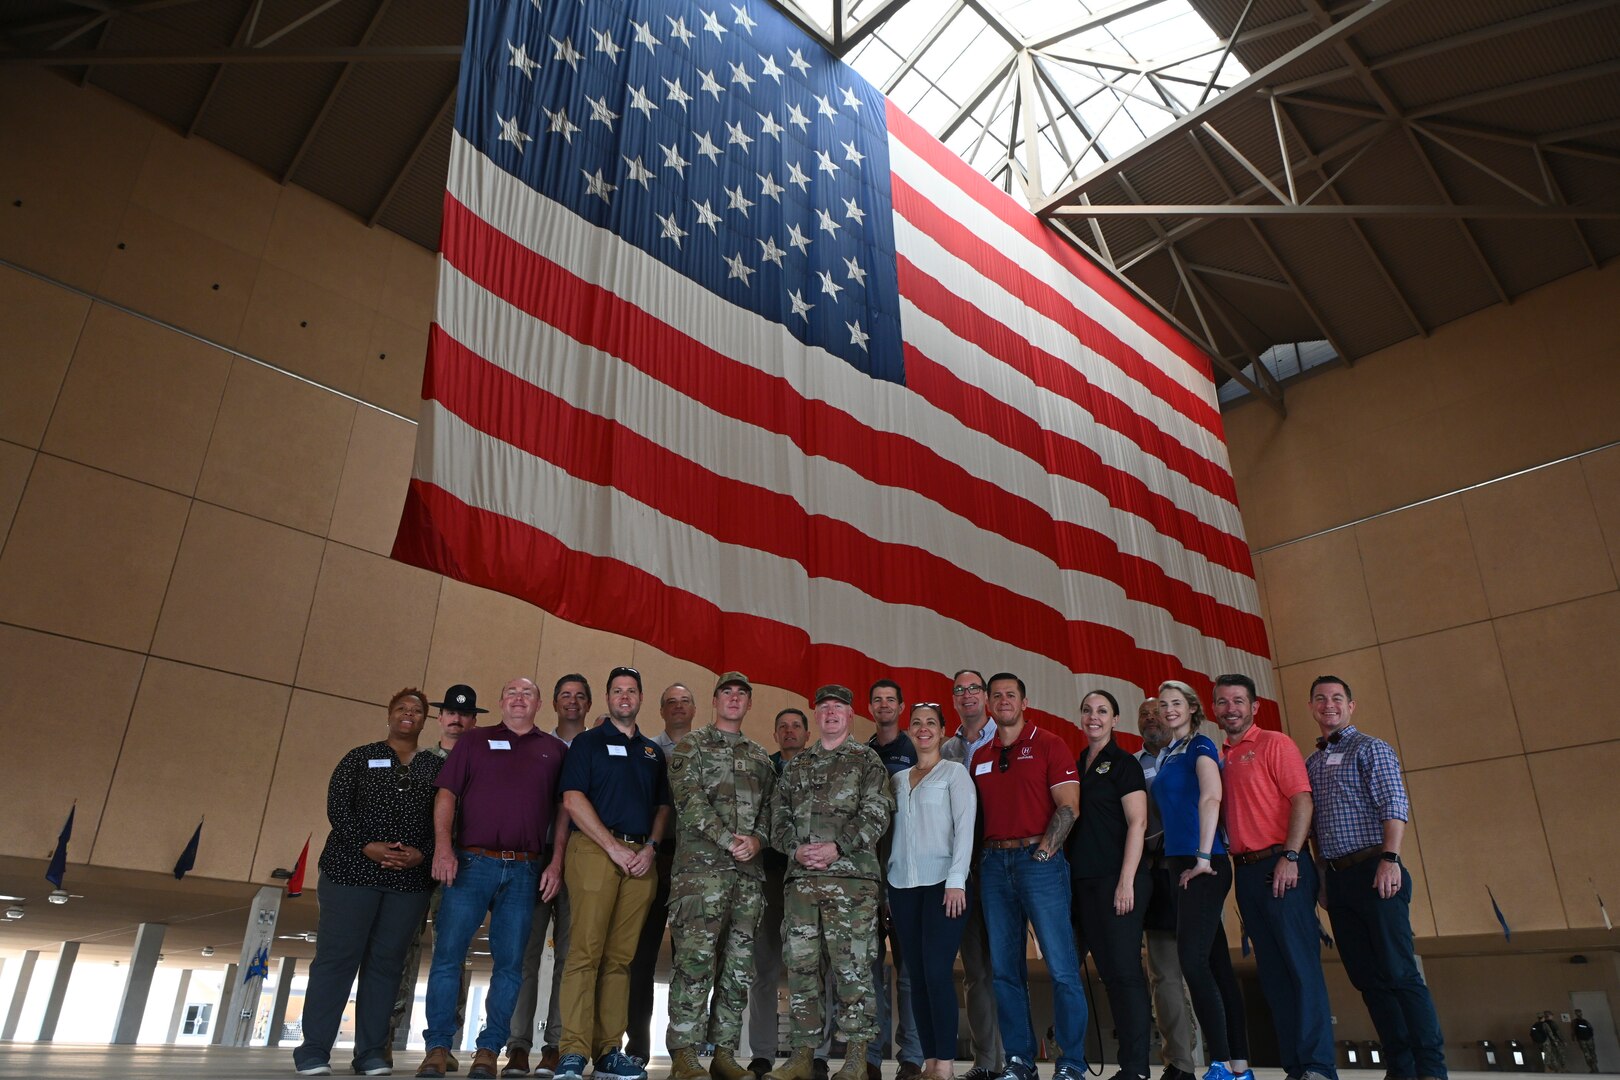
295, 884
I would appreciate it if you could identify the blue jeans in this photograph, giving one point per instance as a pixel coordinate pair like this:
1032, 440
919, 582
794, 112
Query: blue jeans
1288, 955
506, 890
1016, 889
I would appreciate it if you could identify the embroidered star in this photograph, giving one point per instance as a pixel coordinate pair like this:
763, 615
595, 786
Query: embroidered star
672, 229
857, 336
769, 252
856, 274
567, 53
852, 154
825, 107
796, 176
738, 136
677, 93
606, 44
600, 111
738, 202
640, 100
706, 216
796, 116
644, 35
769, 126
828, 165
800, 308
673, 159
771, 69
797, 60
738, 268
854, 212
739, 74
850, 99
828, 225
711, 23
743, 19
798, 239
768, 187
597, 185
561, 125
828, 285
707, 148
510, 132
522, 61
639, 173
710, 85
677, 29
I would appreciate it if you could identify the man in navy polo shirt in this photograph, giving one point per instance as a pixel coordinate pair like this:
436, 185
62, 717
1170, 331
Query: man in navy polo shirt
1029, 796
497, 800
616, 791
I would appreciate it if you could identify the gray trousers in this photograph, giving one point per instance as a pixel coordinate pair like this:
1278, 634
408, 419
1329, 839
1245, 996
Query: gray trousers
1171, 1010
553, 915
980, 985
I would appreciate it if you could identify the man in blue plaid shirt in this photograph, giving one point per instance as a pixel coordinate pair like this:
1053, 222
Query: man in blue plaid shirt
1361, 815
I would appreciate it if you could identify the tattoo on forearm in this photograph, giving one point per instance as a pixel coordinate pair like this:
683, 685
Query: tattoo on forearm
1057, 830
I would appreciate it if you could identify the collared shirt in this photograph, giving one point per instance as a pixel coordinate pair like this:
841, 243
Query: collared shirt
1154, 841
1356, 782
933, 827
722, 783
373, 797
506, 787
1177, 792
898, 754
960, 748
1261, 774
665, 743
839, 795
1017, 801
624, 776
1096, 844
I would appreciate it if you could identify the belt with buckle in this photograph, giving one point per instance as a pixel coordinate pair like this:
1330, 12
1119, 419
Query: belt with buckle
504, 856
1347, 861
627, 838
1249, 858
1012, 845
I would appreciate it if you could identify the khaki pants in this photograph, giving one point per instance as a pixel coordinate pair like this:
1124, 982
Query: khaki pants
607, 908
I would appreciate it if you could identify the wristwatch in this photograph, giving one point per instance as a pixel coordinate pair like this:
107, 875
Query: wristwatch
1291, 855
1390, 856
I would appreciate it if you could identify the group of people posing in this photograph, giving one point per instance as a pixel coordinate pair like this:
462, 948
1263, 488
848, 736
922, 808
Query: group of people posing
803, 861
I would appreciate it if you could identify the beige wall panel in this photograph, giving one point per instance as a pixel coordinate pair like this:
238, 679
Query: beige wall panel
1287, 496
1495, 997
1389, 387
412, 283
565, 647
483, 639
1491, 434
200, 744
86, 689
395, 356
42, 325
240, 595
15, 463
376, 472
305, 327
1420, 570
370, 627
1398, 465
1537, 539
659, 669
1585, 846
1364, 669
1481, 827
320, 730
72, 157
1450, 697
1603, 481
760, 723
1318, 599
324, 242
278, 449
1488, 350
206, 189
170, 272
1590, 384
1575, 314
89, 555
1412, 857
139, 401
1551, 656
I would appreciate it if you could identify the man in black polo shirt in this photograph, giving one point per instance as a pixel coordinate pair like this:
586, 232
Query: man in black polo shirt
615, 788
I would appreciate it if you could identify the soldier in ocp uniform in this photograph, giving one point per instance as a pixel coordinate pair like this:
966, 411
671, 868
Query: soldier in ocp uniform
722, 782
832, 805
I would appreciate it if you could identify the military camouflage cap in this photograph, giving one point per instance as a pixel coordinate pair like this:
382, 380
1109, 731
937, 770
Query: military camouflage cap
832, 691
733, 678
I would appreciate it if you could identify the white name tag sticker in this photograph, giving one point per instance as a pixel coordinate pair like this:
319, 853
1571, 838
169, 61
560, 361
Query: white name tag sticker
378, 763
981, 768
617, 751
1334, 759
1150, 772
500, 744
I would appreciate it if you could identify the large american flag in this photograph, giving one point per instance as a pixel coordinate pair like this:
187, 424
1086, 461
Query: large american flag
733, 358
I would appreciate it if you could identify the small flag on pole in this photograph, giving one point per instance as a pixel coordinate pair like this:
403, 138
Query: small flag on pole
58, 867
295, 884
1507, 931
258, 966
1608, 923
188, 857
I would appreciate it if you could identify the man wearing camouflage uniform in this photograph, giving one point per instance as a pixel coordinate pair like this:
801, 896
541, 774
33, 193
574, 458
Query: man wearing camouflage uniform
832, 805
722, 783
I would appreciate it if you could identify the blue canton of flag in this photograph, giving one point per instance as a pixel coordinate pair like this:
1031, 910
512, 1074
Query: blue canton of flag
719, 139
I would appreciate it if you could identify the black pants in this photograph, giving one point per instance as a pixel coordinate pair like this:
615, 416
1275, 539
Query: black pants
638, 1036
930, 940
1206, 961
1115, 942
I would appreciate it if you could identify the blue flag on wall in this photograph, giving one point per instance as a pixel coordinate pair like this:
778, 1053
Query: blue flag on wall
1507, 931
58, 867
188, 857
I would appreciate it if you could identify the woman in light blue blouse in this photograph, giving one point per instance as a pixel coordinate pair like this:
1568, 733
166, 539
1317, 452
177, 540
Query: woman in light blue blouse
932, 850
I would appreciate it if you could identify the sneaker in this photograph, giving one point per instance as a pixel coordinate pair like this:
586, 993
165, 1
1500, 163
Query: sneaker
909, 1070
548, 1063
1173, 1073
1019, 1069
1071, 1072
376, 1066
571, 1067
1218, 1071
979, 1072
315, 1068
617, 1065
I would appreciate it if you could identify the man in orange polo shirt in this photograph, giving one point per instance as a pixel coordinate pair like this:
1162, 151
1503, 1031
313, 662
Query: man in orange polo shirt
1267, 804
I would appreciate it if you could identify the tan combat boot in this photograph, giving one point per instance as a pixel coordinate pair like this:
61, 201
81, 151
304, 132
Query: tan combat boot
684, 1065
801, 1066
724, 1066
854, 1062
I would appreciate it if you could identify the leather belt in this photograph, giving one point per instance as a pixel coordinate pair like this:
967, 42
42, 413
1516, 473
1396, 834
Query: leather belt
1012, 845
1347, 861
504, 856
1249, 858
627, 838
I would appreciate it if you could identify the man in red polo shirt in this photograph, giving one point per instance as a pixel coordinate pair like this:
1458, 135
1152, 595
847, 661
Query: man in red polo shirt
1267, 803
1029, 796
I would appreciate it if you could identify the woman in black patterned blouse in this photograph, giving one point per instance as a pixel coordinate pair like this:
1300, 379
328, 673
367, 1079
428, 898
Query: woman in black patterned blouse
374, 887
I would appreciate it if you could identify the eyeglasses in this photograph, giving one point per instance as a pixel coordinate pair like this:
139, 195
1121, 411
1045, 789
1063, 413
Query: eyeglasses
1004, 762
925, 705
970, 688
630, 671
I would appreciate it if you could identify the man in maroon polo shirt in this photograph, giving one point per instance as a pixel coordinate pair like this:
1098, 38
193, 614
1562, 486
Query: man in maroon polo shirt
502, 783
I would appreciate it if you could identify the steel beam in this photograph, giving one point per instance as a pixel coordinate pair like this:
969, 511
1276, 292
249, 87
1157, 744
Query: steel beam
416, 152
332, 94
338, 54
1342, 210
1497, 93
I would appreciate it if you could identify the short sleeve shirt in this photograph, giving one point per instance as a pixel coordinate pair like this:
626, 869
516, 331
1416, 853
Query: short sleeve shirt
1263, 772
1096, 845
506, 785
898, 755
625, 777
1016, 803
1176, 791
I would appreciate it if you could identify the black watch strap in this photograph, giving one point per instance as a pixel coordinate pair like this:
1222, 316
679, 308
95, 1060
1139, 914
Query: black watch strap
1291, 855
1390, 856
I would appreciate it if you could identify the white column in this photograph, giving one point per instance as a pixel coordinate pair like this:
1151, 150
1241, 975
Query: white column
143, 958
19, 995
285, 971
66, 955
217, 1038
179, 1013
260, 934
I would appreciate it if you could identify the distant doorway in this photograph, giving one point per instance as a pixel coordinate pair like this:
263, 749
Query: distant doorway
1594, 1006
